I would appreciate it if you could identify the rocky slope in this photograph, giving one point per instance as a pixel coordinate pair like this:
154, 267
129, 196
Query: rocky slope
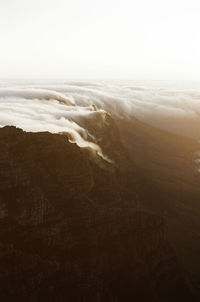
75, 229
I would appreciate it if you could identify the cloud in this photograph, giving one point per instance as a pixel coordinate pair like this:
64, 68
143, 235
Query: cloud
41, 94
67, 107
39, 110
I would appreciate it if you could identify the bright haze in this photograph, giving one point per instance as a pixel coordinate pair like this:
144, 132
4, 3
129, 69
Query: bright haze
107, 39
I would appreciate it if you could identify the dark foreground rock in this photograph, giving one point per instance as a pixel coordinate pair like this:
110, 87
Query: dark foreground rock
71, 229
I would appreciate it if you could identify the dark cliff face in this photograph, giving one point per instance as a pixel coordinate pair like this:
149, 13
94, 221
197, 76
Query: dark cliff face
72, 229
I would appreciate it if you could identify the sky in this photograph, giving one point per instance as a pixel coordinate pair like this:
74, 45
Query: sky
100, 39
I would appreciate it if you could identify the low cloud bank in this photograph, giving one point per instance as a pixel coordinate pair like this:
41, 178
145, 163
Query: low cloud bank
65, 106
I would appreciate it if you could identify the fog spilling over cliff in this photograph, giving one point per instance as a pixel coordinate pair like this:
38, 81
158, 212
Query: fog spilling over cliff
66, 106
99, 192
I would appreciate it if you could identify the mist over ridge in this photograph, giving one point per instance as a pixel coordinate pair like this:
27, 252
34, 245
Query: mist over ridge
61, 106
118, 210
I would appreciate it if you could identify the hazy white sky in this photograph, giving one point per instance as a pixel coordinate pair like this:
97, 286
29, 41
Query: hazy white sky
124, 39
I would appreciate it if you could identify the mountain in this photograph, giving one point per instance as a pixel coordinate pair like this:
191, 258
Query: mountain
75, 227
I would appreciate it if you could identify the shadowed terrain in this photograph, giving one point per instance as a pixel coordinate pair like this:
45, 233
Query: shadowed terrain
74, 227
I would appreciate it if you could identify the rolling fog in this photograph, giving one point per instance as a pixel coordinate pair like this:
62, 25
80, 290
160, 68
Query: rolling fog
65, 106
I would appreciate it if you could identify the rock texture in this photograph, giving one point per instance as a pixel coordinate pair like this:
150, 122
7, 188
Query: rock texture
72, 230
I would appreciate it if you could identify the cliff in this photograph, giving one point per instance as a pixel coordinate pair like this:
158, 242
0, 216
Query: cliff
71, 229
